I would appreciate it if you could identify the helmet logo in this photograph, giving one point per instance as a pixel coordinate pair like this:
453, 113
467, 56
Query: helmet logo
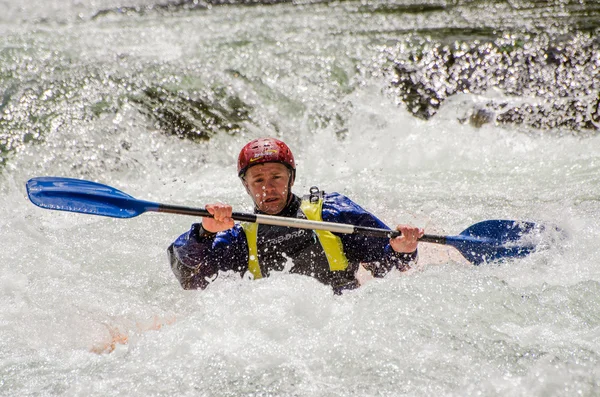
258, 156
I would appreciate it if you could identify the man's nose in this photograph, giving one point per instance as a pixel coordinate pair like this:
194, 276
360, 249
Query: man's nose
269, 184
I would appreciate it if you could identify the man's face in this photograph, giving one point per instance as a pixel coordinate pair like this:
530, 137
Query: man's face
267, 184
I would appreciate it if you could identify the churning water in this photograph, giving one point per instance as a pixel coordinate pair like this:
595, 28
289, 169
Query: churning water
436, 113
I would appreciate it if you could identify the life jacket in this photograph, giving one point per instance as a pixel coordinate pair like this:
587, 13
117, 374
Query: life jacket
312, 207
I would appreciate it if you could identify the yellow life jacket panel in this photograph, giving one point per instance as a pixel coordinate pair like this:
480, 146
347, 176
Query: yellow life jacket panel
251, 231
332, 246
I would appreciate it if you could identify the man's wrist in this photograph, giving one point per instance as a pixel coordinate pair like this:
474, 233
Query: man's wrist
203, 233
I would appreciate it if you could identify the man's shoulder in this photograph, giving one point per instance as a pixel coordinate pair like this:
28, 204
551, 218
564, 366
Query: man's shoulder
329, 198
335, 197
335, 204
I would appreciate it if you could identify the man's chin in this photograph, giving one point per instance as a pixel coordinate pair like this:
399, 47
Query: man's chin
273, 208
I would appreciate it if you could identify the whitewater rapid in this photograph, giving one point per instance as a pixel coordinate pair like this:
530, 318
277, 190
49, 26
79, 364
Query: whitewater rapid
89, 305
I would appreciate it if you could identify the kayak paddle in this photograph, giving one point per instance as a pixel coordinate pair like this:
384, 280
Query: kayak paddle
483, 242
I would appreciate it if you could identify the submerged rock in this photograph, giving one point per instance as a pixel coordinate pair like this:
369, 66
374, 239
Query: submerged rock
195, 118
558, 78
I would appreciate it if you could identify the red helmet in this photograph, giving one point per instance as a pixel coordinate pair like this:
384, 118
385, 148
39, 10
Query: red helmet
265, 150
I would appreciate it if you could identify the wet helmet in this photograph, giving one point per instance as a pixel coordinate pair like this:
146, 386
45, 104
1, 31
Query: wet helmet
265, 150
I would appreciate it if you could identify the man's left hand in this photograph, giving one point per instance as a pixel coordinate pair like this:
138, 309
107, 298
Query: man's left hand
407, 241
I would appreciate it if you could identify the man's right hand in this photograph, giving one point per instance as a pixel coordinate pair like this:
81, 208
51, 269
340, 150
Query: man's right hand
221, 218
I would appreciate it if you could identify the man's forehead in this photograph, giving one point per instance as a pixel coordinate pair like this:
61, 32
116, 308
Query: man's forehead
266, 168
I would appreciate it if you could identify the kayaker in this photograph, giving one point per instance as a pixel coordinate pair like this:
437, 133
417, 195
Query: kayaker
267, 170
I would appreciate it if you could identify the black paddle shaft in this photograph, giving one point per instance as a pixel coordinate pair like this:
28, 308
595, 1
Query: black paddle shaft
182, 210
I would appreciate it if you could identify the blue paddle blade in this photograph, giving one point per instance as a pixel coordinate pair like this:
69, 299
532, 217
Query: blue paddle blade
76, 195
491, 240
